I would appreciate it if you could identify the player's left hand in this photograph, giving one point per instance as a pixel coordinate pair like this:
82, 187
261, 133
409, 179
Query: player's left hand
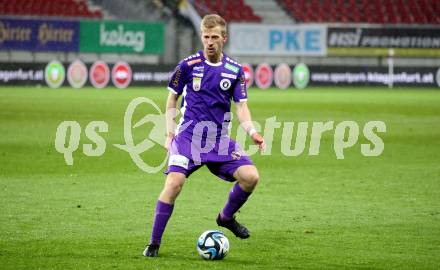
259, 140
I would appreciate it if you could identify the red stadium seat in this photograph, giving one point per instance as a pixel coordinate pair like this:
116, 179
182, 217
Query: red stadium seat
69, 8
231, 10
363, 11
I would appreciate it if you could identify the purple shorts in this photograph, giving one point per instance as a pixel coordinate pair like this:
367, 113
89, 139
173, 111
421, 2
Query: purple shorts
222, 160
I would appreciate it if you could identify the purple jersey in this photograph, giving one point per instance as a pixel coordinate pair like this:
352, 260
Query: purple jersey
207, 90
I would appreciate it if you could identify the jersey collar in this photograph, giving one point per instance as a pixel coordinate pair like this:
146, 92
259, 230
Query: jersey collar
212, 64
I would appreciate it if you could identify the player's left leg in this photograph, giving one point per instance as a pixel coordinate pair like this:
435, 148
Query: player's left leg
247, 179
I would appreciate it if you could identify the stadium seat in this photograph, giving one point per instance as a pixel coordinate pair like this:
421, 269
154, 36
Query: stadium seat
59, 8
363, 11
234, 11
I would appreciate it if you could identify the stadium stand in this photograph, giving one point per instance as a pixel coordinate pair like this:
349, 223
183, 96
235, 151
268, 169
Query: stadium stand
270, 12
136, 10
58, 8
364, 11
231, 10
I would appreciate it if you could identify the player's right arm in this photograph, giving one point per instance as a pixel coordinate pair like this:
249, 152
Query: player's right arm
175, 86
170, 118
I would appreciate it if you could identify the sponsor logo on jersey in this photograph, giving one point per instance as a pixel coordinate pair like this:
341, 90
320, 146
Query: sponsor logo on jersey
195, 61
230, 76
199, 68
236, 155
177, 74
231, 68
178, 160
243, 85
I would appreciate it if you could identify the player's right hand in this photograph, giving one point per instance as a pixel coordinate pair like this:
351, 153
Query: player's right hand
168, 141
259, 140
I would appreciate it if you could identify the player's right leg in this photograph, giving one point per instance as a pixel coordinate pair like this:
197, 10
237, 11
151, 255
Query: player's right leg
164, 208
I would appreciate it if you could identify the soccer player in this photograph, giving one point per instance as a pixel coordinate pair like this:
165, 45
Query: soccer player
208, 81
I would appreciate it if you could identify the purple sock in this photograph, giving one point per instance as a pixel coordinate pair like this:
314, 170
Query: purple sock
162, 215
237, 197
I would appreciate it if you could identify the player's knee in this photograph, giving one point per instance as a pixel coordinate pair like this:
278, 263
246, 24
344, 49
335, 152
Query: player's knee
174, 184
174, 187
251, 180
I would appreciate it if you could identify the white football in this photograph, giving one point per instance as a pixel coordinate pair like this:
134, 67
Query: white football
213, 245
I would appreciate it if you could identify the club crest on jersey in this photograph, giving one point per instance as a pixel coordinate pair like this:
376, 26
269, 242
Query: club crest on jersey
225, 84
197, 82
236, 155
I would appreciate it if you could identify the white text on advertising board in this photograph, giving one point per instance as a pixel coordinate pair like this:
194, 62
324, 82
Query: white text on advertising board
250, 39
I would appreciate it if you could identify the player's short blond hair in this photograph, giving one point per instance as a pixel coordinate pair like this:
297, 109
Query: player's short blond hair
213, 20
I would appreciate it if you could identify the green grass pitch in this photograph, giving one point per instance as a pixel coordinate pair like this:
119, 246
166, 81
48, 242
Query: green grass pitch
308, 212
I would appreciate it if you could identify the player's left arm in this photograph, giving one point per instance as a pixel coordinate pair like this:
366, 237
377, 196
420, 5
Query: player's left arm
244, 117
239, 96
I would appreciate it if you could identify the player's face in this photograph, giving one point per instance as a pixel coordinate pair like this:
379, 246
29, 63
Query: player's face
213, 42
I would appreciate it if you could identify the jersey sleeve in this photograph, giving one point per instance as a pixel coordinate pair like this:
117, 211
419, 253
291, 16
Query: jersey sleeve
178, 79
240, 89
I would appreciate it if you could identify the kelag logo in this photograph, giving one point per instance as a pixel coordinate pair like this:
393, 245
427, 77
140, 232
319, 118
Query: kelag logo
121, 37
